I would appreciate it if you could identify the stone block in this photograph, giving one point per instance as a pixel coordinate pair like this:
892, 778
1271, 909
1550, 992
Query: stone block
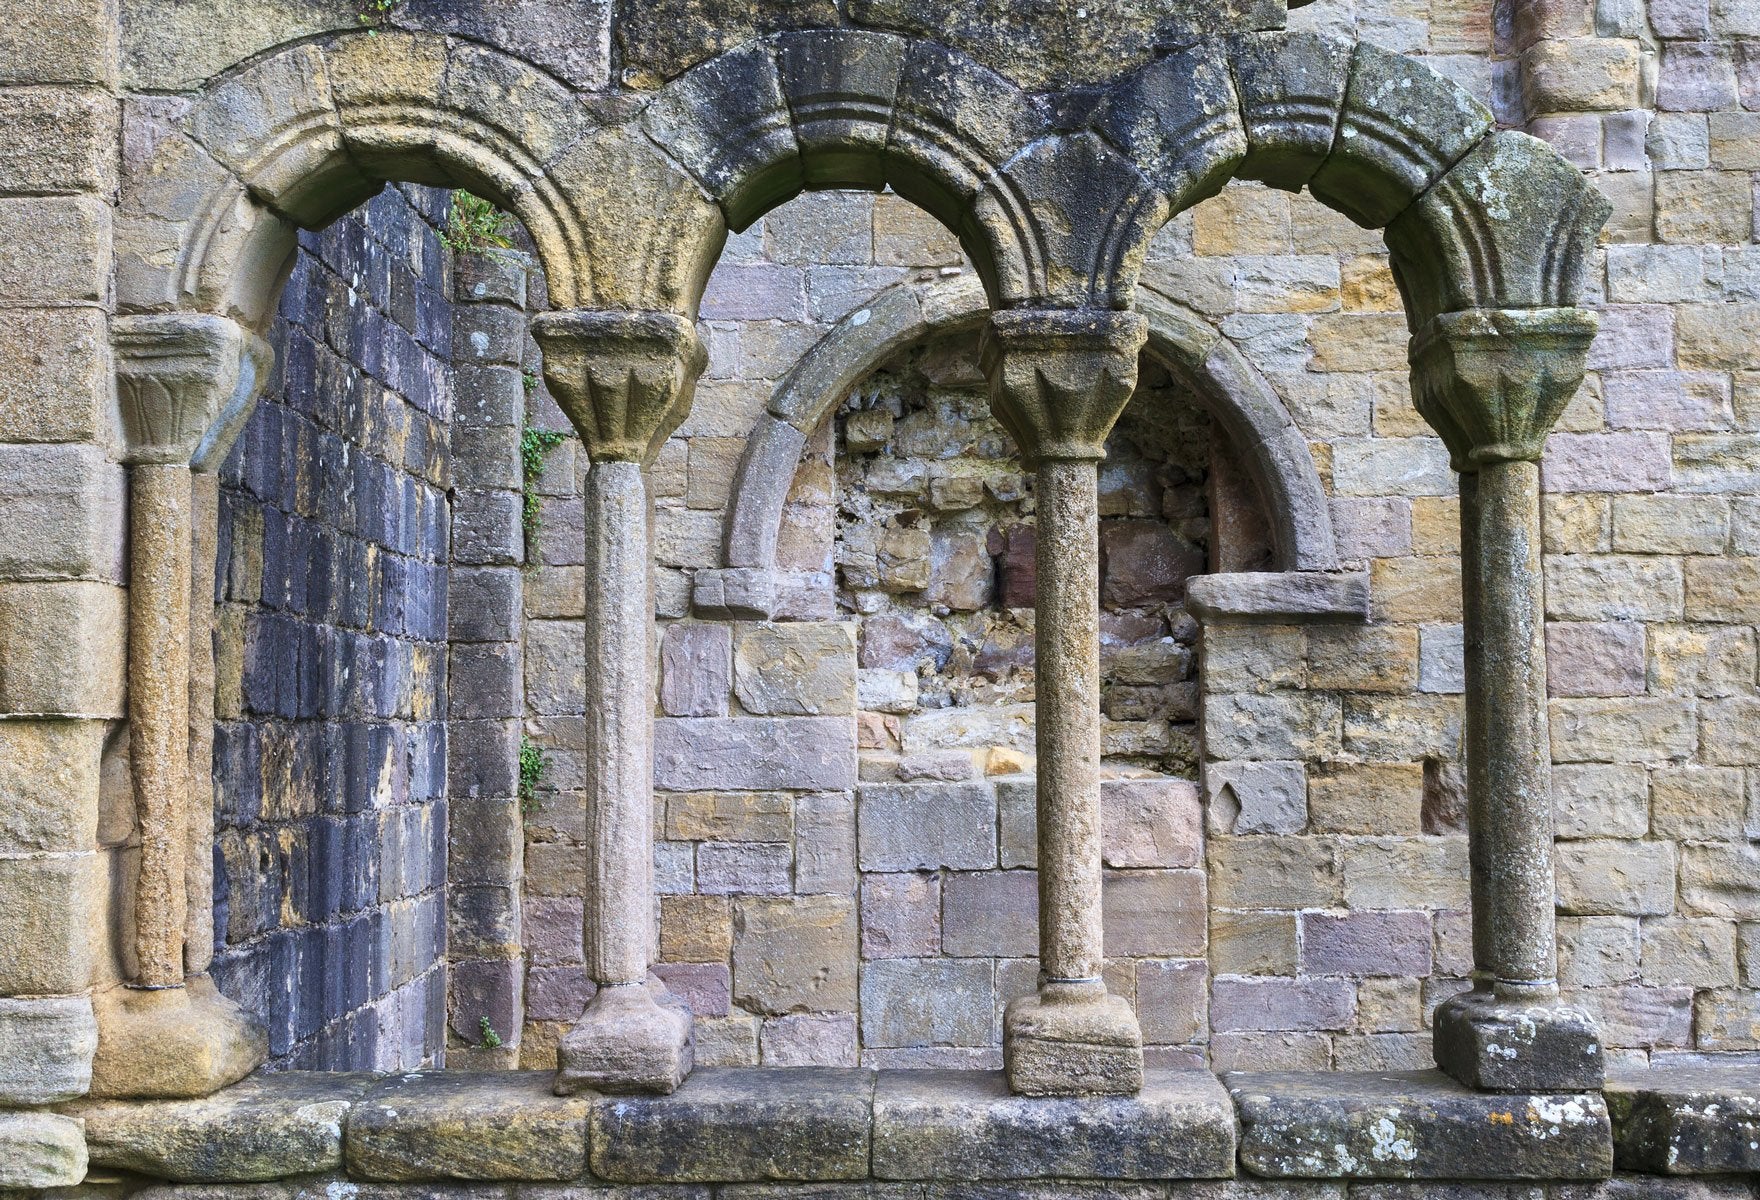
695, 928
1601, 800
1379, 798
1615, 878
1274, 596
262, 1129
1689, 952
1255, 797
1718, 879
1620, 730
1684, 1120
49, 797
1252, 943
695, 672
1277, 725
54, 250
64, 649
1695, 803
991, 913
1592, 587
1150, 823
1595, 659
901, 915
795, 954
1580, 75
1277, 1004
825, 843
1274, 872
1257, 658
925, 826
483, 604
53, 375
46, 1049
962, 1126
796, 669
56, 908
1405, 872
729, 817
1415, 1125
743, 868
928, 1002
431, 1127
1154, 913
727, 1125
758, 754
1597, 951
1366, 944
1700, 660
41, 1150
1173, 1000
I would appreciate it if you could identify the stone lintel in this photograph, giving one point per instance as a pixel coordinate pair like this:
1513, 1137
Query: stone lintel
1686, 1120
961, 1126
1280, 596
739, 1125
267, 1127
1493, 382
492, 1125
623, 378
1415, 1125
1060, 377
1518, 1046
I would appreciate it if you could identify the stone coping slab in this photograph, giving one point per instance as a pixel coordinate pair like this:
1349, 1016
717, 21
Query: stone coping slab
739, 1125
470, 1125
267, 1127
1686, 1120
964, 1125
1415, 1125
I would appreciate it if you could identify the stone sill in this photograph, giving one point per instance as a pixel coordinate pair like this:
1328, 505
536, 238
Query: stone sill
755, 1125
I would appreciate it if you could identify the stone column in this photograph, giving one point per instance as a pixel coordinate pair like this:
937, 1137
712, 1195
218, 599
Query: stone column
183, 382
1493, 383
1058, 381
625, 380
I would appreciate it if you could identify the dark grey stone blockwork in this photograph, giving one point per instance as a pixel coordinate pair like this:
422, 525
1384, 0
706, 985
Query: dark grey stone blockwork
330, 754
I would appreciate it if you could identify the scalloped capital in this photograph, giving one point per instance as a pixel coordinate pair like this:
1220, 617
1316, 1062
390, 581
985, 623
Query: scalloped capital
185, 382
623, 378
1059, 378
1493, 382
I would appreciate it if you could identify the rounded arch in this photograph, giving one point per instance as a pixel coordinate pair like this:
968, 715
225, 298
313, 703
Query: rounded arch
304, 133
1273, 451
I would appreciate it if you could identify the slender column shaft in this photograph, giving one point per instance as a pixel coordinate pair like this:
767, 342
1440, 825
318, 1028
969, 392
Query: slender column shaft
617, 933
158, 711
1066, 640
1473, 732
1508, 717
198, 946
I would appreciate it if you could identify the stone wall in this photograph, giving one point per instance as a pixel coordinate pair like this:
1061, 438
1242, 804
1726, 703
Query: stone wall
331, 746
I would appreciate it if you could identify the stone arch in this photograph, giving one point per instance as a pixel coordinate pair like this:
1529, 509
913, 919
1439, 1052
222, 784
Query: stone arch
297, 137
1274, 452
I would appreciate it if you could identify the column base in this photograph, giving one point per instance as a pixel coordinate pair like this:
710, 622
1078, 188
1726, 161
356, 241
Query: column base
1072, 1040
1510, 1045
628, 1042
173, 1043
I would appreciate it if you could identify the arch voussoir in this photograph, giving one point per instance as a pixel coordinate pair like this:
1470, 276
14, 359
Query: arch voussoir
841, 85
1291, 87
1179, 121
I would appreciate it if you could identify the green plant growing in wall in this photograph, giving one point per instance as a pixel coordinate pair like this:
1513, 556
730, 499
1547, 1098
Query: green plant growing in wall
534, 443
475, 226
531, 772
489, 1039
376, 14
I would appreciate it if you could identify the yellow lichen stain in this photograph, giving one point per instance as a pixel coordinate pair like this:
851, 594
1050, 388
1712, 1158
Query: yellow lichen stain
1501, 1118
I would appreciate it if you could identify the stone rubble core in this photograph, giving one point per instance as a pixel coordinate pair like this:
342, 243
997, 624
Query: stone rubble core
821, 1126
1059, 380
624, 380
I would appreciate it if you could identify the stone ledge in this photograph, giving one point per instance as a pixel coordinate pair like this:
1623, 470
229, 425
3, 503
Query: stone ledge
1280, 596
964, 1125
1686, 1120
1415, 1125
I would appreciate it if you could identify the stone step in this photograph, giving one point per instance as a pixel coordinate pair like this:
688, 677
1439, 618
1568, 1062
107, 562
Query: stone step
1686, 1120
1415, 1125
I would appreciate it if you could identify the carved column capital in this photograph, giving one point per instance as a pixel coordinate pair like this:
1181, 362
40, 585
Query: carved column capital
1060, 377
185, 385
623, 378
1493, 382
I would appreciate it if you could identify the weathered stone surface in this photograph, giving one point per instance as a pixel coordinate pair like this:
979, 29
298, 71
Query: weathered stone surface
467, 1125
924, 826
173, 1042
1291, 89
809, 753
964, 1126
264, 1128
694, 670
728, 1125
795, 954
1685, 1120
1414, 1125
41, 1150
46, 1049
796, 669
1510, 1047
632, 1038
